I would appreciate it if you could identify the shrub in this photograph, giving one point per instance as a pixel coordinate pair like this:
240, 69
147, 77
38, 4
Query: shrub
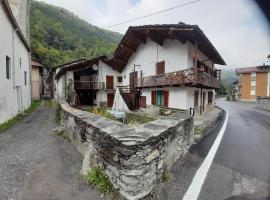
99, 179
102, 111
70, 93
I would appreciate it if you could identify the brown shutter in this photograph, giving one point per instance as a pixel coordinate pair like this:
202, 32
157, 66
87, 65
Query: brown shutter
166, 98
143, 101
109, 82
153, 97
160, 68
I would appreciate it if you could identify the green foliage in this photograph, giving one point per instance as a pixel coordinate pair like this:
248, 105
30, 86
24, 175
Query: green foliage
58, 114
199, 131
166, 176
98, 178
59, 36
70, 93
135, 119
63, 135
102, 111
11, 122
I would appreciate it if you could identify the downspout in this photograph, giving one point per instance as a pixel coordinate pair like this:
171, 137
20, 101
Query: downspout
13, 58
201, 102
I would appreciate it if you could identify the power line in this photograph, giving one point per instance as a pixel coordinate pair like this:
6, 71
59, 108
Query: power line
155, 13
135, 19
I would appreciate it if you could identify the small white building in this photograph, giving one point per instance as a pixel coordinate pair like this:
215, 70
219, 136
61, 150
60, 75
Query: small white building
15, 70
162, 65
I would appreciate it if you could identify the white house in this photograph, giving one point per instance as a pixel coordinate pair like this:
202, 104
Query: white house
15, 85
162, 65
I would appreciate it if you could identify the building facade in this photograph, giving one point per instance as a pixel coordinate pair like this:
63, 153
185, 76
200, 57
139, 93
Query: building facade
253, 82
161, 65
37, 79
15, 84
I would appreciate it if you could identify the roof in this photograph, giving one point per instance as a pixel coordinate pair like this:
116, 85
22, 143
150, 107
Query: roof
76, 65
136, 35
246, 70
14, 23
35, 63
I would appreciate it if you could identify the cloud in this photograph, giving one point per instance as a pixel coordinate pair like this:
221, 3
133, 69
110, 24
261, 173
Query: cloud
236, 28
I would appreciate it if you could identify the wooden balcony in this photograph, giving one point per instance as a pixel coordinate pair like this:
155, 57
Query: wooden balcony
89, 85
191, 76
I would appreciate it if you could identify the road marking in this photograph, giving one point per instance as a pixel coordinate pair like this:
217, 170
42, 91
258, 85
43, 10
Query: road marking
198, 180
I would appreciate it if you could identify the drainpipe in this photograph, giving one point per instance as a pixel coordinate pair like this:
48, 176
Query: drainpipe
201, 103
13, 58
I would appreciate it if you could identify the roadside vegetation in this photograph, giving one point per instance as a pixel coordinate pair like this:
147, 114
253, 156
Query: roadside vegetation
63, 135
136, 119
11, 122
102, 111
97, 177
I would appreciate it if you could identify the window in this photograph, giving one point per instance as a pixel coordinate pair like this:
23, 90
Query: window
8, 67
160, 68
25, 77
252, 92
253, 79
20, 62
119, 79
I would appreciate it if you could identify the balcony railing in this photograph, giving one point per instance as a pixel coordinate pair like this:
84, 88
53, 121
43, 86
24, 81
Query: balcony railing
188, 76
89, 85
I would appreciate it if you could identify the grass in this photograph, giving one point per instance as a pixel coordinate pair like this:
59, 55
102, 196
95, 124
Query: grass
199, 131
166, 176
102, 111
48, 103
63, 135
135, 119
99, 179
11, 122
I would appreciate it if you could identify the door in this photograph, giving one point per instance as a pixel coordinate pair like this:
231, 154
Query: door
153, 97
160, 99
19, 98
109, 82
203, 102
133, 79
110, 99
143, 101
166, 98
196, 98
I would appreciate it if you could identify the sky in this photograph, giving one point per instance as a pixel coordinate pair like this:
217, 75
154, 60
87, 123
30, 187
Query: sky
237, 28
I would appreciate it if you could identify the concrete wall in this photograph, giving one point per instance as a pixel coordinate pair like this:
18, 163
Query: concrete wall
133, 158
21, 12
15, 96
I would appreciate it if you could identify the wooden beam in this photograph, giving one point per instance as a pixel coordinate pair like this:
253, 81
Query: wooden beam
128, 48
154, 36
119, 60
176, 36
139, 37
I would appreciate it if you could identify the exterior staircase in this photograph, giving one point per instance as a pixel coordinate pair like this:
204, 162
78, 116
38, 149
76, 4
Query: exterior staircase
131, 96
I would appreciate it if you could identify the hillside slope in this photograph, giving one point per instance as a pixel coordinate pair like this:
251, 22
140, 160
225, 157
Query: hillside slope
58, 36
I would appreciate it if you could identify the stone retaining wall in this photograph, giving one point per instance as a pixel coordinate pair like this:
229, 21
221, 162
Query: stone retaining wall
133, 158
263, 103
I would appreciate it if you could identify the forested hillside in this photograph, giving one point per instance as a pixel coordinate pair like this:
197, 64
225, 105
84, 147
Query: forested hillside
58, 36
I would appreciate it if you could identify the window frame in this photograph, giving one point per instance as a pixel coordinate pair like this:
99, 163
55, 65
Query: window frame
8, 67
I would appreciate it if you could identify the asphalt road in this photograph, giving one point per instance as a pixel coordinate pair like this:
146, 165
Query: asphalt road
35, 164
241, 167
